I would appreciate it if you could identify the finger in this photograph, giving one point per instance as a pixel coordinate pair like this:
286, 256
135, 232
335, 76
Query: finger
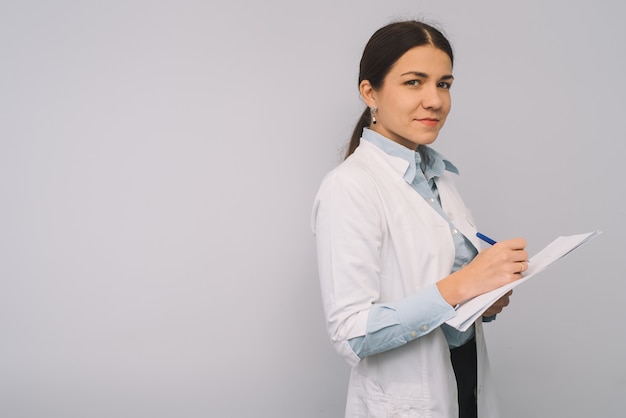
520, 255
514, 243
501, 303
493, 310
516, 267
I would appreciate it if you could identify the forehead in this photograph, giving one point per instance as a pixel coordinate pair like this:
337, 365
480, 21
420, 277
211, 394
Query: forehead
424, 59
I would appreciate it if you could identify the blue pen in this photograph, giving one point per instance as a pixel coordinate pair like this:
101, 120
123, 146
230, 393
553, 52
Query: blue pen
485, 238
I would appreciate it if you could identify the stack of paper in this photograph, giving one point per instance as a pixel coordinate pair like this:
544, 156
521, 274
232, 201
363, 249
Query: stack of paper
471, 310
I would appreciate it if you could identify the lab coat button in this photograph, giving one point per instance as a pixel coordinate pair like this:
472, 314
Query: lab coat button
431, 200
454, 231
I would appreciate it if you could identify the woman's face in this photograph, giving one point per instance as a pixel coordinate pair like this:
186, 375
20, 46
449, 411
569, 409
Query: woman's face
414, 100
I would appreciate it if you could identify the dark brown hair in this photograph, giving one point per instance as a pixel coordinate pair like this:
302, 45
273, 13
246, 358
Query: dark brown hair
383, 49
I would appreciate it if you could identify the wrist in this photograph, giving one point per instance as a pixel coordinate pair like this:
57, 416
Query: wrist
453, 288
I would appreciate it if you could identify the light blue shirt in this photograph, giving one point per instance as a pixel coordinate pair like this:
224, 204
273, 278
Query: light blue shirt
390, 325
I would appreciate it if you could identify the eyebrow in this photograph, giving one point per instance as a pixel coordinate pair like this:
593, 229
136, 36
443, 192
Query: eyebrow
424, 75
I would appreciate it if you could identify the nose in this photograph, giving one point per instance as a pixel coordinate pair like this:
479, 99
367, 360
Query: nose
432, 98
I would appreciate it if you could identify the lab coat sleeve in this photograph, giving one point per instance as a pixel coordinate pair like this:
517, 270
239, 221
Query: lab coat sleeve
348, 224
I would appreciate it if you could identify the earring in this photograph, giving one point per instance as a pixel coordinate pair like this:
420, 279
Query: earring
373, 110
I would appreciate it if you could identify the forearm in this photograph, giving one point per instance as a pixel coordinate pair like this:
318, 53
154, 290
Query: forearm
391, 325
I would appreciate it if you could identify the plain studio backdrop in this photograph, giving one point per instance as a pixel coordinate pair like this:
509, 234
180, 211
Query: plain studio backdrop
158, 164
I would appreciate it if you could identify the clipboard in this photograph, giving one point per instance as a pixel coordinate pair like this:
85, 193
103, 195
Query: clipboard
469, 311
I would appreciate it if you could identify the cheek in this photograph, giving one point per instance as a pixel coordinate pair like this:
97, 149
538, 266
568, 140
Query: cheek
405, 105
445, 109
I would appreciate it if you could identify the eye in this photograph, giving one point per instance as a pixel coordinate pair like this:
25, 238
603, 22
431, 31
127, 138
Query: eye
413, 83
444, 85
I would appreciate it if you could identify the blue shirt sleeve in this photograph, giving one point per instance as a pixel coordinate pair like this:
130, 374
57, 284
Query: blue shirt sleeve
455, 337
391, 325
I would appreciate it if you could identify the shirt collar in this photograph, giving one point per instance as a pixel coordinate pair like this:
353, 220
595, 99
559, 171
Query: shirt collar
429, 161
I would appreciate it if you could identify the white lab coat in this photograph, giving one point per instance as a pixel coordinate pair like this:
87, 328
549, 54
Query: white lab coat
379, 241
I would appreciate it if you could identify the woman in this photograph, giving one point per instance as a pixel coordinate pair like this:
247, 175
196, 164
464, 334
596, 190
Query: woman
397, 248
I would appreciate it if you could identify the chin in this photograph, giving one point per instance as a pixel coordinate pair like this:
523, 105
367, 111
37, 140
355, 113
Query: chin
424, 138
426, 141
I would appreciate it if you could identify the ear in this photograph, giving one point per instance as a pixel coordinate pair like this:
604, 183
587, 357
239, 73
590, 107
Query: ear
368, 94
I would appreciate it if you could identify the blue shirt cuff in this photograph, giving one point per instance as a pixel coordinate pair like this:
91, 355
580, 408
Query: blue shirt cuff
392, 325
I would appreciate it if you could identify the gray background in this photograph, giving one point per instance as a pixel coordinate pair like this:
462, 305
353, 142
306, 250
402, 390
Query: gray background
159, 159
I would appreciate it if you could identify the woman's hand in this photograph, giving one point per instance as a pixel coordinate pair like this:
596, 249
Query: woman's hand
501, 264
498, 305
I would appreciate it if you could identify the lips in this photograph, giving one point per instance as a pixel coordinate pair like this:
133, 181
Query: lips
429, 121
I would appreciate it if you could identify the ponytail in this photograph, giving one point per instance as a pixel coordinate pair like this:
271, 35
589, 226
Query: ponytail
364, 121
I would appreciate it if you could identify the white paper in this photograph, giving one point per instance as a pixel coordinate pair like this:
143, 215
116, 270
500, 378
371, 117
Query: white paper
471, 310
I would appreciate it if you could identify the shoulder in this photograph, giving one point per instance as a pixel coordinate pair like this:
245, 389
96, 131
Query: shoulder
355, 183
352, 177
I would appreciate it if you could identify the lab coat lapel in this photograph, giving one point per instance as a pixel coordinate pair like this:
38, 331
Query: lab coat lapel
456, 211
